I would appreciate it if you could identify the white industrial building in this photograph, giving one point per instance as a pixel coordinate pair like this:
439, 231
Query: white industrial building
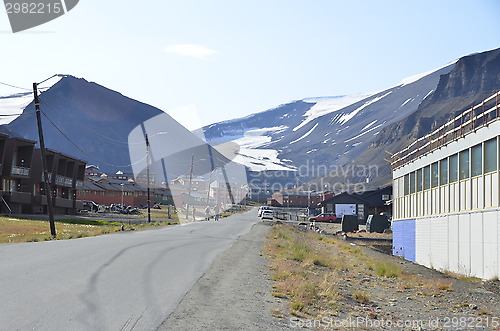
446, 202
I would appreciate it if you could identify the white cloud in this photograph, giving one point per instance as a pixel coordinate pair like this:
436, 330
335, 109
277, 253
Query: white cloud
196, 51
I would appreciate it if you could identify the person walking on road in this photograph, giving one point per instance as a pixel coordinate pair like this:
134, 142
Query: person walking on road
207, 213
216, 213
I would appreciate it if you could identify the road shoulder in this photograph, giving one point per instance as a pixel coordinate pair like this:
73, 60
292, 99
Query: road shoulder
233, 294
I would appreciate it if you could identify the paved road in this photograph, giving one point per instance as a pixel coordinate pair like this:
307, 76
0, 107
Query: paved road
122, 281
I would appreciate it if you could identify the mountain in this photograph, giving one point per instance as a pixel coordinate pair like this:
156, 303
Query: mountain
93, 123
473, 79
340, 141
314, 137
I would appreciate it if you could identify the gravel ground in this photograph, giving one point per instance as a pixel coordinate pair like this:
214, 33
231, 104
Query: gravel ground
234, 294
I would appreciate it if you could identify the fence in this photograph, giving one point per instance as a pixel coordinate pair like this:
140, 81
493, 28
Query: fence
470, 120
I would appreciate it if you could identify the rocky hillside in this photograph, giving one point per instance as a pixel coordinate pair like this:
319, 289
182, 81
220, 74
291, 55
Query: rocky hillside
473, 78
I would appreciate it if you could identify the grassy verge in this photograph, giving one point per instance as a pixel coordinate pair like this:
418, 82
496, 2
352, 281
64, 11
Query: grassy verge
16, 230
320, 276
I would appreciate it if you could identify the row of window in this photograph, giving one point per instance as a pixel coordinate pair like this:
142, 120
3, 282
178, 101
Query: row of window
472, 162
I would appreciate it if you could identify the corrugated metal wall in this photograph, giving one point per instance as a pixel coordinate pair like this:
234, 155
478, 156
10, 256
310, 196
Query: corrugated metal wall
403, 242
466, 243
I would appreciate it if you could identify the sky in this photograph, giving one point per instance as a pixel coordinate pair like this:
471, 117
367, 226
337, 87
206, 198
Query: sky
207, 61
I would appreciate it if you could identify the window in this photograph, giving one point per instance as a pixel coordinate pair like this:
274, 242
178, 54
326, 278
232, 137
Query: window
490, 155
419, 180
464, 164
434, 175
443, 172
453, 168
412, 182
407, 184
477, 160
427, 177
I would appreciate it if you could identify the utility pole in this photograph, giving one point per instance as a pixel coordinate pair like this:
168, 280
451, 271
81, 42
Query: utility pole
48, 191
147, 175
189, 187
208, 188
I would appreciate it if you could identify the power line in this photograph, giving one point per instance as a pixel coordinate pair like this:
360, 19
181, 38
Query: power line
21, 88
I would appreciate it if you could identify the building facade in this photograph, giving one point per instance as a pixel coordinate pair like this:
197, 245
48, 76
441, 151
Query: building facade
298, 199
22, 188
446, 195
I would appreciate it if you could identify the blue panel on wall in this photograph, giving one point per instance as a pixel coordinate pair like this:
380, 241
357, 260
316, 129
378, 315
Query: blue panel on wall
404, 239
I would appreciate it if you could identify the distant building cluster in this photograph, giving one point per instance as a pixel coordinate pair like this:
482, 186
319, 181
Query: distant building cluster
119, 188
359, 204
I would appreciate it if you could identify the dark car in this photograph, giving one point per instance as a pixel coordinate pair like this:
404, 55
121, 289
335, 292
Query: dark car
324, 217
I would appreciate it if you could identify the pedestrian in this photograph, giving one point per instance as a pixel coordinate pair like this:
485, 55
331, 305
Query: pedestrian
216, 212
194, 213
207, 213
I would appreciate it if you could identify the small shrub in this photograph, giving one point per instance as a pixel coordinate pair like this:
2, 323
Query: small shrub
387, 269
361, 297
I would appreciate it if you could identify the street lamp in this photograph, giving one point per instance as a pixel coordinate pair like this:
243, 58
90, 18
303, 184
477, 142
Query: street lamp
48, 191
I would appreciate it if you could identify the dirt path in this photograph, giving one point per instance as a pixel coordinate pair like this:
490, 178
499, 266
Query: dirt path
234, 294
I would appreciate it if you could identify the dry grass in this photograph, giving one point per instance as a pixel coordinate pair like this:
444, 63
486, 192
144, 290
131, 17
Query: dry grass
303, 273
318, 276
461, 277
16, 230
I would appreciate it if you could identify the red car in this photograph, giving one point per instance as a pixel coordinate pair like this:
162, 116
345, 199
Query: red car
324, 217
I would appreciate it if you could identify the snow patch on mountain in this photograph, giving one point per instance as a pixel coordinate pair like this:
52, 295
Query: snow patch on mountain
326, 105
258, 137
256, 158
12, 106
261, 159
305, 135
363, 133
413, 79
346, 117
368, 125
430, 92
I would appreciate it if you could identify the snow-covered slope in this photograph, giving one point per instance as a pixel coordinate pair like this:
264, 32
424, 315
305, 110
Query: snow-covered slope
11, 106
321, 132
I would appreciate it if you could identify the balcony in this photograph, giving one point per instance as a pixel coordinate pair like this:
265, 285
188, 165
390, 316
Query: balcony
20, 171
65, 203
20, 197
64, 181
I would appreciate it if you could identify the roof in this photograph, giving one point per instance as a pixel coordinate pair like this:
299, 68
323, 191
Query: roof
300, 193
374, 197
88, 185
344, 197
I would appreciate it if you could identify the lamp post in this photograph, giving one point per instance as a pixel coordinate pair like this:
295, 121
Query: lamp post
45, 172
147, 175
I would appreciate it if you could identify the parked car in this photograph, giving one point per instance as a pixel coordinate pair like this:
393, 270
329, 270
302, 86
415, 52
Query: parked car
324, 217
267, 214
90, 206
261, 209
